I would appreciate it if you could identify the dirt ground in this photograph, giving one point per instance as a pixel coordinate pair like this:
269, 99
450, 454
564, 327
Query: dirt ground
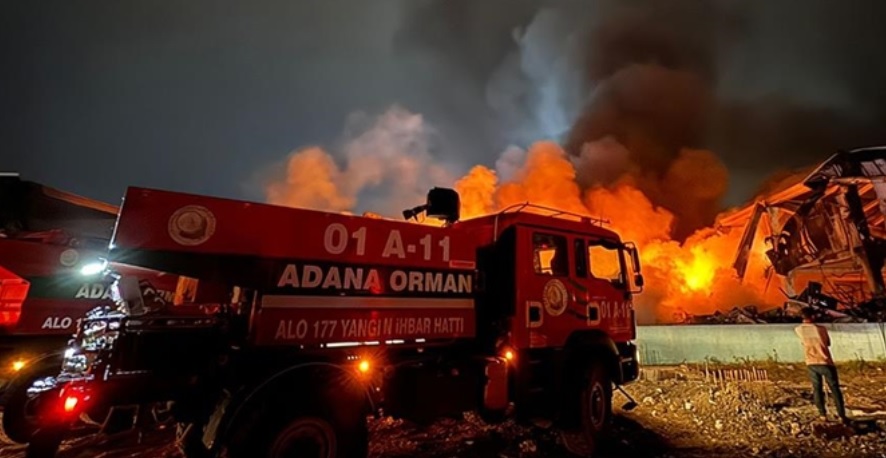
682, 412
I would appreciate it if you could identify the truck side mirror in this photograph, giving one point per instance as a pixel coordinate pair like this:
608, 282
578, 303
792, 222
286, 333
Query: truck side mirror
635, 261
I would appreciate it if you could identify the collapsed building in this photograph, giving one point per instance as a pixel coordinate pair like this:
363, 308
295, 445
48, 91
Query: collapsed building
825, 240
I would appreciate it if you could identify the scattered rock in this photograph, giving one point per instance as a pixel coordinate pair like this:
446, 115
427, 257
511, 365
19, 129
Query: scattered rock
676, 419
528, 446
831, 431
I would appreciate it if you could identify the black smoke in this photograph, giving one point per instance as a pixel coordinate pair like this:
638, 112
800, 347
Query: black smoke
765, 86
189, 95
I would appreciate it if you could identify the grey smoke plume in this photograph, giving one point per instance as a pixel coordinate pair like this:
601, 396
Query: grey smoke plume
763, 85
385, 165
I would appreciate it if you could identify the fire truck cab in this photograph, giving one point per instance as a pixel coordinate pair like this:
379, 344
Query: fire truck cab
563, 285
311, 321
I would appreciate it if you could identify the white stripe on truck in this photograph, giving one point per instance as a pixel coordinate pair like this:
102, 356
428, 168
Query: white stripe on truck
363, 302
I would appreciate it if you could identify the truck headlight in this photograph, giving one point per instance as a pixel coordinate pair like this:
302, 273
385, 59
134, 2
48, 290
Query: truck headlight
94, 268
75, 364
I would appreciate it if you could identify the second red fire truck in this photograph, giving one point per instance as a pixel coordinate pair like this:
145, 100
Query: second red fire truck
313, 321
50, 244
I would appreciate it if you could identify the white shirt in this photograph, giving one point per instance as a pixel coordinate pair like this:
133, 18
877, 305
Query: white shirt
815, 341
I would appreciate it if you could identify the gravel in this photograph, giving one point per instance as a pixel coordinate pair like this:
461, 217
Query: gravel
680, 414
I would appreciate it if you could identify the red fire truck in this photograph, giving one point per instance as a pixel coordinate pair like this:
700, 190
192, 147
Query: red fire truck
321, 319
47, 238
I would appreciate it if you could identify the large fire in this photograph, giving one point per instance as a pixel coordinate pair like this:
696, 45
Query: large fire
693, 274
692, 277
698, 272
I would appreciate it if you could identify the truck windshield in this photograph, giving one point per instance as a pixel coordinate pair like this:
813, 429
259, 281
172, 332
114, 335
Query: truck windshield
605, 263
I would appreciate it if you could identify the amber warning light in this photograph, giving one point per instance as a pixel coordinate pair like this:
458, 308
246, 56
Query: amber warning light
509, 354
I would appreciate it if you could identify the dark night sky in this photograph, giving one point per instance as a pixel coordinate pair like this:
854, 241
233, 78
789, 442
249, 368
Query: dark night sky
201, 95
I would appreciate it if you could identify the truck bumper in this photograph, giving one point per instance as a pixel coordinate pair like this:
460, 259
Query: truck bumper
629, 362
60, 402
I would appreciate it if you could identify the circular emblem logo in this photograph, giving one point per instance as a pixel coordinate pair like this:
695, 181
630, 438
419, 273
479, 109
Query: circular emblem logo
191, 225
555, 297
69, 257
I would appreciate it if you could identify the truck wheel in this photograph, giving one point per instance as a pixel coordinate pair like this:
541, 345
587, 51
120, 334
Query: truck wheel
307, 436
595, 400
18, 423
336, 430
596, 403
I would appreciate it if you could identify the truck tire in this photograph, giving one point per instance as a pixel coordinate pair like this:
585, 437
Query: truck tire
306, 429
45, 443
18, 427
596, 404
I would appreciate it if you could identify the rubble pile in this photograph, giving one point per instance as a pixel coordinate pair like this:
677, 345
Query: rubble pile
682, 413
873, 311
829, 310
774, 418
744, 315
468, 437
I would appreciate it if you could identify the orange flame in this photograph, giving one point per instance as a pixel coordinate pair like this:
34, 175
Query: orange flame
698, 273
692, 277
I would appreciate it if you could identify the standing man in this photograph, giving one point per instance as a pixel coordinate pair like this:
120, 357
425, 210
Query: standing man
819, 363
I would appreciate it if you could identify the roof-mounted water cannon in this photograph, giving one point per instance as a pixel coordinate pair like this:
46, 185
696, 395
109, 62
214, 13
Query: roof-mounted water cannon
442, 203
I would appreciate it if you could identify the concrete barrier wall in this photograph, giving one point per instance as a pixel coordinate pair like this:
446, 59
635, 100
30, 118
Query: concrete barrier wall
729, 343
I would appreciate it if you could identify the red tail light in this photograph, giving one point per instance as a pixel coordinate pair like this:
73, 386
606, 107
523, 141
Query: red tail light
72, 400
71, 403
13, 291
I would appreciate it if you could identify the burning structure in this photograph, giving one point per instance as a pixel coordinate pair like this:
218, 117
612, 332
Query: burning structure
825, 235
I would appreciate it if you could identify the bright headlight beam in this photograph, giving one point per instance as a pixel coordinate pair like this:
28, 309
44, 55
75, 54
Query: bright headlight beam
93, 268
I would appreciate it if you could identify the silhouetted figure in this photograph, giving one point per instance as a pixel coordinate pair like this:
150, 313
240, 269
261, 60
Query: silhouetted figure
819, 364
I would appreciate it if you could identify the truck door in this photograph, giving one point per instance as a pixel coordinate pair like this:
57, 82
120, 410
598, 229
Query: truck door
544, 270
603, 279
